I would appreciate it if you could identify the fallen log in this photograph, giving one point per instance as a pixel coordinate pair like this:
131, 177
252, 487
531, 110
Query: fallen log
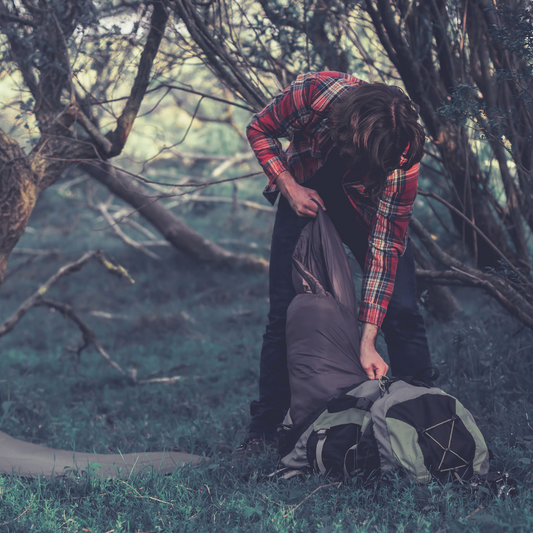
173, 229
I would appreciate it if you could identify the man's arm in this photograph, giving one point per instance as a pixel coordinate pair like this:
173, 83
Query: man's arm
292, 110
288, 112
387, 244
371, 361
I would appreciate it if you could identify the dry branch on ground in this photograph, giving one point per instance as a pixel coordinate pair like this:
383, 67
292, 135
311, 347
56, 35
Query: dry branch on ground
88, 335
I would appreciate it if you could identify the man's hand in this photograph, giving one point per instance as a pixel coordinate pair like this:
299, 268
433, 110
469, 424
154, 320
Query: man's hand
372, 363
302, 200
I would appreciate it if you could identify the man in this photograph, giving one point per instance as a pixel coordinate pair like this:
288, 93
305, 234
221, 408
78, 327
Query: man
355, 149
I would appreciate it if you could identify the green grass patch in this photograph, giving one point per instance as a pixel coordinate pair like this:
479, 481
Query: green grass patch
50, 396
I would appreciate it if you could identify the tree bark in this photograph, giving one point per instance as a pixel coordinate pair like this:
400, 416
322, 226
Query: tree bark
18, 193
173, 229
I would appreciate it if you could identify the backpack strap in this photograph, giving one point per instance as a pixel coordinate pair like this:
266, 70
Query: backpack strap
345, 402
288, 435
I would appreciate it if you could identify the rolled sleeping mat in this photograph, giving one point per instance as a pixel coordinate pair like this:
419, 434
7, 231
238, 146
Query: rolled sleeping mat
32, 460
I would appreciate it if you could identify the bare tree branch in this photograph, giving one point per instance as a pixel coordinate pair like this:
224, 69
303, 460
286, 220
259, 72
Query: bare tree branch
245, 203
124, 123
499, 288
473, 226
218, 58
451, 277
184, 89
89, 337
67, 269
13, 18
114, 225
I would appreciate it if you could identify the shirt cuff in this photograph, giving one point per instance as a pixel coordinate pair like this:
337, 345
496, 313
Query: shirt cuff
372, 313
273, 169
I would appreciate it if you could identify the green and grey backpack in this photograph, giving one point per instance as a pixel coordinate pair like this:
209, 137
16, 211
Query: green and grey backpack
369, 425
383, 425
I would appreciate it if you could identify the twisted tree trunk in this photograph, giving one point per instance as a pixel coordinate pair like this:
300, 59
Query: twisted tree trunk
44, 33
18, 193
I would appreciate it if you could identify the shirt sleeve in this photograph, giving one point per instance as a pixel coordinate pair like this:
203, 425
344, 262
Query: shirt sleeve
288, 112
386, 244
299, 105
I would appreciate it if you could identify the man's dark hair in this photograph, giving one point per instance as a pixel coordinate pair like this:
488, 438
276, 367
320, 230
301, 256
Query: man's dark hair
373, 125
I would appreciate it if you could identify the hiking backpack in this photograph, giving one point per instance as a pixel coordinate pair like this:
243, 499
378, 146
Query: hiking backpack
387, 425
341, 422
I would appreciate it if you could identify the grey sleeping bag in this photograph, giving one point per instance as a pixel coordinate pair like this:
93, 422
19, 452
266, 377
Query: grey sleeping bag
322, 333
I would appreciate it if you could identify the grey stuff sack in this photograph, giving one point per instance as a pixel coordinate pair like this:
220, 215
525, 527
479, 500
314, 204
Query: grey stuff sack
322, 332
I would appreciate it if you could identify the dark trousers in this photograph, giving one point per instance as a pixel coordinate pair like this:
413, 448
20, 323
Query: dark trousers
403, 326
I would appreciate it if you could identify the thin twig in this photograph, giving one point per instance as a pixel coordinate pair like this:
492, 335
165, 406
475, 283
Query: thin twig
223, 199
69, 268
480, 508
155, 243
93, 131
89, 337
474, 227
441, 222
185, 89
145, 497
165, 381
11, 322
139, 227
20, 266
35, 251
67, 185
191, 184
128, 240
338, 484
16, 519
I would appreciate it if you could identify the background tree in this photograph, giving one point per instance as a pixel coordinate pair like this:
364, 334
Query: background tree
65, 55
37, 39
466, 63
468, 66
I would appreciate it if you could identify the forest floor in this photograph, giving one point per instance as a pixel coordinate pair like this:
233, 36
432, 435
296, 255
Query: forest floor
205, 324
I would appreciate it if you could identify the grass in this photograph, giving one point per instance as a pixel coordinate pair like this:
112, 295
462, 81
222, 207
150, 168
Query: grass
50, 397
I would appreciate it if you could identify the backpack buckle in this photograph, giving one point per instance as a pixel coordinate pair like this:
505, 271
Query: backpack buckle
321, 433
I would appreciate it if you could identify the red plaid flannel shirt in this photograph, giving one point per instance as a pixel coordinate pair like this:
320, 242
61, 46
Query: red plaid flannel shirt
299, 114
